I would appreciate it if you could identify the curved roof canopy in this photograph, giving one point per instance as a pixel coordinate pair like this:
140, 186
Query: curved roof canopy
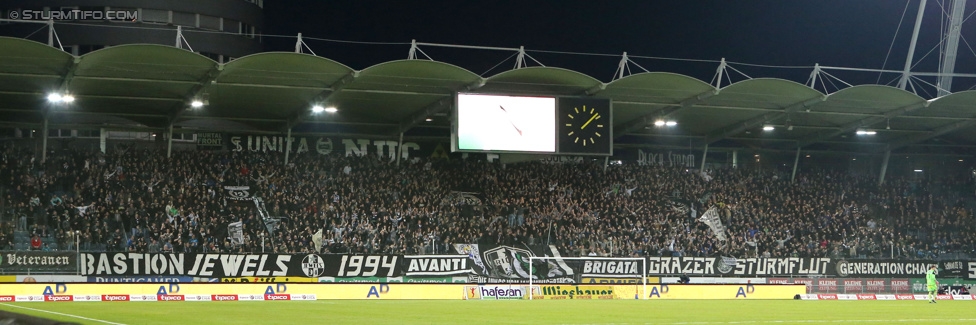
151, 87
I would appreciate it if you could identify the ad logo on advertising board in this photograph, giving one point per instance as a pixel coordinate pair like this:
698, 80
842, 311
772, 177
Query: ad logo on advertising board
500, 292
223, 298
169, 297
575, 292
58, 298
115, 297
277, 297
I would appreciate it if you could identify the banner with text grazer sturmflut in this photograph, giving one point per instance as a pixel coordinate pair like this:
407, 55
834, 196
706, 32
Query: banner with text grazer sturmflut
745, 267
238, 265
32, 262
510, 264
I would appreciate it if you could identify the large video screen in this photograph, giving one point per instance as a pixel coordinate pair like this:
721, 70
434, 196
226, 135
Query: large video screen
506, 123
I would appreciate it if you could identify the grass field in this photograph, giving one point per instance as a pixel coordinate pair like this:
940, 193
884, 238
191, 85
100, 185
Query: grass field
363, 312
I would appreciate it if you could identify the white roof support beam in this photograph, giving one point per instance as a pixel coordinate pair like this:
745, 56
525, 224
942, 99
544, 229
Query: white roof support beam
944, 86
905, 73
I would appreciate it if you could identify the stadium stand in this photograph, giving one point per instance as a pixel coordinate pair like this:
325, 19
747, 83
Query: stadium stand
138, 200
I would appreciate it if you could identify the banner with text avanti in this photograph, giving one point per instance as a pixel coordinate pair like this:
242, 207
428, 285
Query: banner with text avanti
436, 265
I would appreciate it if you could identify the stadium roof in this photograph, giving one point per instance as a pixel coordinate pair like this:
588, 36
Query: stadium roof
151, 86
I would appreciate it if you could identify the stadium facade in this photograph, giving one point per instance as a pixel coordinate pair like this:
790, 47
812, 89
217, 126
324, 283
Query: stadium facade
221, 29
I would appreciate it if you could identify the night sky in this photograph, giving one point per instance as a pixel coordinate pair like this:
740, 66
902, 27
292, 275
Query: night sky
794, 33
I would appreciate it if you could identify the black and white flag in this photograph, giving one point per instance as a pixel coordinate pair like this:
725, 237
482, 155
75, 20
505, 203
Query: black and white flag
237, 194
711, 219
235, 231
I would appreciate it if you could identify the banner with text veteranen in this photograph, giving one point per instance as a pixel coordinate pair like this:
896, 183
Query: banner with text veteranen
239, 265
29, 262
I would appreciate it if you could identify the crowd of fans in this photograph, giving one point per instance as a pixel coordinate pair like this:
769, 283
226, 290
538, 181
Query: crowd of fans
138, 200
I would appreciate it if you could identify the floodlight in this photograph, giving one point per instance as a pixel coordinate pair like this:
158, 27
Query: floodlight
768, 128
317, 109
67, 99
196, 104
331, 109
670, 123
54, 97
659, 123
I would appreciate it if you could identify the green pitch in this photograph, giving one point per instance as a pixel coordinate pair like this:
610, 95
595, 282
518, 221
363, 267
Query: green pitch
362, 312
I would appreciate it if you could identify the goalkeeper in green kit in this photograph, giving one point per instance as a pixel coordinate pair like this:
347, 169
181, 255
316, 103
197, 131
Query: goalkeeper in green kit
932, 283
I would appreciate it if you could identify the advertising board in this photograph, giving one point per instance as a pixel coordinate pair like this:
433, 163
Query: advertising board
597, 280
495, 292
565, 292
717, 291
249, 291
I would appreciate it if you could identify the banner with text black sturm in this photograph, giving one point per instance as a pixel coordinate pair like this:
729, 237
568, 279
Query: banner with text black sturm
27, 262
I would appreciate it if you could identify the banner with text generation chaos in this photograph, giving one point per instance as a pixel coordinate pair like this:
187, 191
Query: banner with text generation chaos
885, 268
749, 267
30, 262
510, 263
436, 265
